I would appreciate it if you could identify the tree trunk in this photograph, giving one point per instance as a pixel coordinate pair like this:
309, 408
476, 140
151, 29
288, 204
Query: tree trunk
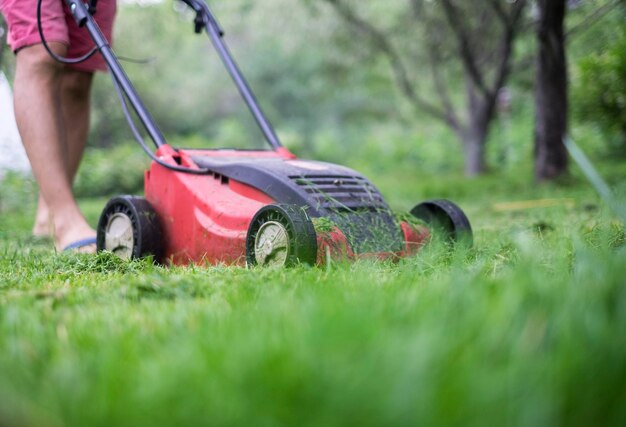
474, 135
551, 92
474, 148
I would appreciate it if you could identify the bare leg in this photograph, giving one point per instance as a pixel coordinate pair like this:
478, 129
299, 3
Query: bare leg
75, 95
43, 222
37, 88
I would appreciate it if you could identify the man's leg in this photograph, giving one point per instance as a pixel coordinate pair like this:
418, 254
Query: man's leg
75, 103
75, 97
39, 115
43, 222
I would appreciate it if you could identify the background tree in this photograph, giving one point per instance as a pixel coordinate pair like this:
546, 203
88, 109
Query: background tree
469, 41
551, 108
599, 92
363, 91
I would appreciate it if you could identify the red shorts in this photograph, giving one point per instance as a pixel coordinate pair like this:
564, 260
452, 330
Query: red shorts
58, 26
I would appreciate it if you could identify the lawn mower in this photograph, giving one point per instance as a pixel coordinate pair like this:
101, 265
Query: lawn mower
254, 207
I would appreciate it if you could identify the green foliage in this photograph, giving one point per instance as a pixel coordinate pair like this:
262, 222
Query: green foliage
315, 92
323, 225
16, 192
327, 93
110, 171
189, 92
600, 92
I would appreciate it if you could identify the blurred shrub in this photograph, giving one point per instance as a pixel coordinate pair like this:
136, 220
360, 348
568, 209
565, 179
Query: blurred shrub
115, 170
17, 190
600, 93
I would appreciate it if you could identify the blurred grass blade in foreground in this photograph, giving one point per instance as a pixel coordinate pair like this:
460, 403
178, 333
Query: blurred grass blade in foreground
594, 178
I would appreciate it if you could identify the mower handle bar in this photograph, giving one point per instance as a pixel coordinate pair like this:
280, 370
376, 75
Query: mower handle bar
204, 18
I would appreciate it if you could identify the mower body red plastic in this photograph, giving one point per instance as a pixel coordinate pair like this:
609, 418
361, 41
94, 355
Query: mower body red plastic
205, 218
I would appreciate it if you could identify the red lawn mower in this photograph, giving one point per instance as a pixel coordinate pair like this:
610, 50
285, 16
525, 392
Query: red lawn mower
259, 207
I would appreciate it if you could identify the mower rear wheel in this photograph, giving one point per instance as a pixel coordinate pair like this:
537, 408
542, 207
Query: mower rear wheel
129, 228
443, 216
281, 236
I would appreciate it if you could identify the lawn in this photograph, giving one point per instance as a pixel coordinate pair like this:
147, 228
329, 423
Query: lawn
526, 328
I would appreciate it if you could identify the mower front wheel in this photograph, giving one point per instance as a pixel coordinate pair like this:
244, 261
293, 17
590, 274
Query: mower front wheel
444, 217
281, 236
129, 228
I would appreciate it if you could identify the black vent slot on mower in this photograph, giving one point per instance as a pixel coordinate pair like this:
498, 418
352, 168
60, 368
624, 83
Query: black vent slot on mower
341, 193
357, 208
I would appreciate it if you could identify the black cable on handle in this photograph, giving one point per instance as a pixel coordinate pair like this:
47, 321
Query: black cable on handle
139, 138
65, 60
56, 57
121, 83
82, 18
92, 7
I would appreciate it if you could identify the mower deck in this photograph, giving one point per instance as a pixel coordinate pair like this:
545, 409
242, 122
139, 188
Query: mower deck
206, 218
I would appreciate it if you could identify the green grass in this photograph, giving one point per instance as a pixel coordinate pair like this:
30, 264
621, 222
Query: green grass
526, 328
